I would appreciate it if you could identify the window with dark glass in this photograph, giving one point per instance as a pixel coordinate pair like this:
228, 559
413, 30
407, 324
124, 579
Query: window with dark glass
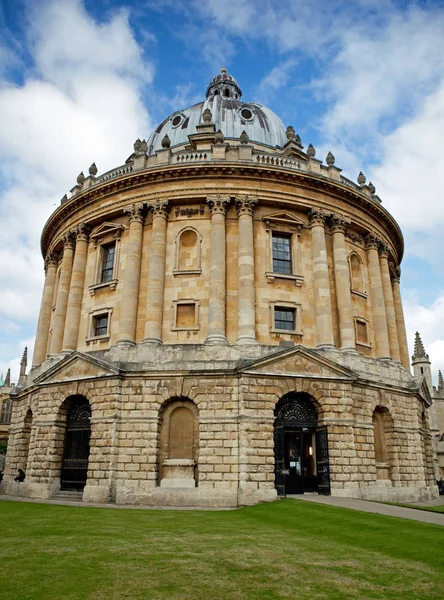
281, 254
100, 325
285, 318
108, 263
5, 417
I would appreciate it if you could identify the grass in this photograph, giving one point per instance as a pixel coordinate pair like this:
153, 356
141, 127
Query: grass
287, 549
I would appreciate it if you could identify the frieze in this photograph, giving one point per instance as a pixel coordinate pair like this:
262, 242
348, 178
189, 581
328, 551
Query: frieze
189, 212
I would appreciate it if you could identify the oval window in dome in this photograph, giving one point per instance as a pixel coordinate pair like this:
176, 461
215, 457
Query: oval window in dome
176, 121
246, 114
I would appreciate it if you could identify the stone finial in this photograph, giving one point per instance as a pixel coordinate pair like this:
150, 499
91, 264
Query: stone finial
80, 178
166, 142
8, 378
219, 137
244, 139
311, 151
64, 199
330, 159
290, 133
440, 381
93, 170
419, 351
207, 116
137, 145
297, 140
371, 187
361, 178
143, 147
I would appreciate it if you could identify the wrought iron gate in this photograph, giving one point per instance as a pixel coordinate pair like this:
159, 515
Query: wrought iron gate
76, 454
322, 462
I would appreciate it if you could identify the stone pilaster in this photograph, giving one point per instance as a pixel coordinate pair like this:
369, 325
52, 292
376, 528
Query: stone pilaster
131, 275
400, 323
76, 288
321, 283
216, 303
156, 273
41, 339
382, 347
58, 322
389, 304
342, 281
246, 333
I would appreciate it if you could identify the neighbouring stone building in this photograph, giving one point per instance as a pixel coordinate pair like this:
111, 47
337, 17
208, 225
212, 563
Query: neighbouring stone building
5, 405
221, 323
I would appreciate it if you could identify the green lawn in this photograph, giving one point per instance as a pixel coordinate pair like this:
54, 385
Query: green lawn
287, 549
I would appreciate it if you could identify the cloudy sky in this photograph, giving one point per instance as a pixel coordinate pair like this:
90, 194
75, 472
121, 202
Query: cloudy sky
80, 80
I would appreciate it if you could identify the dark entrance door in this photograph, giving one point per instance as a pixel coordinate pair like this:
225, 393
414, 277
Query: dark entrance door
76, 454
301, 449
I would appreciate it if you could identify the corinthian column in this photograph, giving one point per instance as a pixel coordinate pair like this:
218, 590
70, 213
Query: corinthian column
59, 318
217, 299
156, 274
400, 323
389, 304
76, 288
131, 276
321, 282
41, 339
382, 347
342, 281
246, 318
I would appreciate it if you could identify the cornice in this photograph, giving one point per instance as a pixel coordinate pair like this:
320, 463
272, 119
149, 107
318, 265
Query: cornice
253, 172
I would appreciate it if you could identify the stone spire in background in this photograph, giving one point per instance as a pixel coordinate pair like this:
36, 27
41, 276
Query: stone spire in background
23, 365
421, 363
8, 378
419, 348
440, 382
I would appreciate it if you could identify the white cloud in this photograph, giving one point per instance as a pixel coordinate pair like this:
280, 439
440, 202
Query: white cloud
81, 102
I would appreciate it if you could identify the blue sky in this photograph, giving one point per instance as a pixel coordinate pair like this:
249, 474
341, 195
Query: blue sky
81, 80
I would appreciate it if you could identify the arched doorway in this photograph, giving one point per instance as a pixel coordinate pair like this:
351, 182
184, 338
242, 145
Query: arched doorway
76, 452
300, 447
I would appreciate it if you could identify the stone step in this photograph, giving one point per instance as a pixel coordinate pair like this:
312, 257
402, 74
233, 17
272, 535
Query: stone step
68, 495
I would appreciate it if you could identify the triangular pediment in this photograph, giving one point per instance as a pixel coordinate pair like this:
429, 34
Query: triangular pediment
282, 217
301, 362
107, 228
77, 366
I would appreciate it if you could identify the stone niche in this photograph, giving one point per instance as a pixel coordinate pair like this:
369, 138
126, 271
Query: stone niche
178, 445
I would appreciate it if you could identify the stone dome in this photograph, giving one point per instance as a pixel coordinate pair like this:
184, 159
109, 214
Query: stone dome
229, 114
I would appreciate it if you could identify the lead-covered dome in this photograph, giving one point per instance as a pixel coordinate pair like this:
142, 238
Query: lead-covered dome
229, 114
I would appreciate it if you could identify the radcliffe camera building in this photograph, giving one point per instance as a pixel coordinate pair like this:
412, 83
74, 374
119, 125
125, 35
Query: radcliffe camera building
221, 324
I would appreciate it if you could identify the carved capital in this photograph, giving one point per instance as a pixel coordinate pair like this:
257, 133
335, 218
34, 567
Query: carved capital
69, 240
317, 216
372, 242
82, 232
218, 204
397, 275
245, 205
339, 223
384, 251
160, 208
51, 260
135, 212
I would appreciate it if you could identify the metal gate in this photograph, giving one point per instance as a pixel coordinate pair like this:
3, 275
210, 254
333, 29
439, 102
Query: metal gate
76, 454
322, 462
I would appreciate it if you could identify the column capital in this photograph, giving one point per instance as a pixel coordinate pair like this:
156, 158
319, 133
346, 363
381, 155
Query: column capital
69, 240
384, 251
339, 223
317, 216
245, 205
218, 204
135, 212
52, 260
372, 241
82, 232
397, 276
159, 208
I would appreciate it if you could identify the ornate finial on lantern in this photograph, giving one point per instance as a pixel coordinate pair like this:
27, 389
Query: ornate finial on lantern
166, 142
244, 139
223, 70
330, 159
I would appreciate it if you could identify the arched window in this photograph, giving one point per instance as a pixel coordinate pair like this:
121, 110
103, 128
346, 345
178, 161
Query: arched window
382, 431
178, 448
26, 439
216, 92
227, 92
188, 244
356, 273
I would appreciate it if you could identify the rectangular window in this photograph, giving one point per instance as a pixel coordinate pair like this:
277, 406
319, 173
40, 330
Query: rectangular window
107, 263
186, 316
285, 318
361, 332
5, 417
100, 324
281, 254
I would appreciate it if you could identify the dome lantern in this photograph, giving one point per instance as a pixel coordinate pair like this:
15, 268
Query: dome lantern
224, 85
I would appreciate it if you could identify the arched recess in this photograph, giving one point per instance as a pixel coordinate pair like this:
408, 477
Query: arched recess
23, 454
300, 446
74, 439
383, 442
188, 251
427, 451
356, 273
178, 444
